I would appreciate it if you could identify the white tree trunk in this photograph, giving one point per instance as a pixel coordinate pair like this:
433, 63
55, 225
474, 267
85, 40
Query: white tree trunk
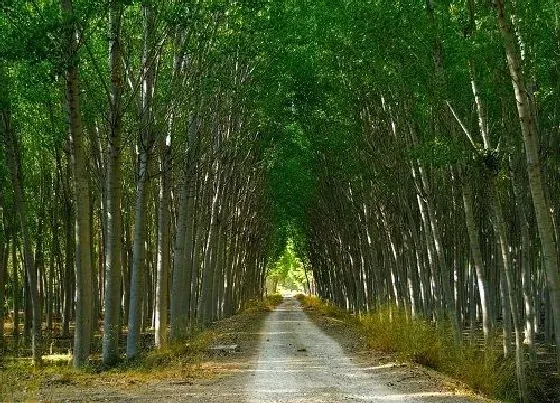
13, 157
528, 122
84, 291
137, 281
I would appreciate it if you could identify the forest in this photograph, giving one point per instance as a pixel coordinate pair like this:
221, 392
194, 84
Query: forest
158, 158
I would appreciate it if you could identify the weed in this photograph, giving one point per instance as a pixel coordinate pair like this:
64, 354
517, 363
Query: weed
273, 300
392, 330
19, 380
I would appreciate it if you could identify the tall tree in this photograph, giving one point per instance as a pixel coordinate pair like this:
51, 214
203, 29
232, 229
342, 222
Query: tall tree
145, 149
13, 154
529, 131
84, 291
114, 177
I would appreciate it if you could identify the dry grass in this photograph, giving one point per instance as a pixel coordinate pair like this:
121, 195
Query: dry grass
419, 341
19, 380
266, 305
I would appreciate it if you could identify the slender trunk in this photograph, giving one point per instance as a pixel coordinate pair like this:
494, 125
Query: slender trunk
506, 315
474, 241
528, 122
164, 227
205, 301
178, 301
13, 154
4, 249
525, 266
511, 294
84, 297
113, 269
138, 275
163, 245
15, 293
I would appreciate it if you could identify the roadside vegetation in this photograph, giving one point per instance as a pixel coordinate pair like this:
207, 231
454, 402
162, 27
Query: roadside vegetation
158, 159
189, 360
482, 369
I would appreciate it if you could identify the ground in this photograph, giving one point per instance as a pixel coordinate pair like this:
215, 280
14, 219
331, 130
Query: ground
285, 356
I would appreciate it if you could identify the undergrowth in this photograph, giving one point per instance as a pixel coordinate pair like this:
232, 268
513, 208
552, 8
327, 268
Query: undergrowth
20, 380
419, 341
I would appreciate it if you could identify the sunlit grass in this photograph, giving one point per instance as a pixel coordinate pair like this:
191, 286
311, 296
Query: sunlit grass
391, 330
190, 359
57, 358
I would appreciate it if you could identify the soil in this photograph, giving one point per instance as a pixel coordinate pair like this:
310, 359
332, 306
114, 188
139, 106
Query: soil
291, 357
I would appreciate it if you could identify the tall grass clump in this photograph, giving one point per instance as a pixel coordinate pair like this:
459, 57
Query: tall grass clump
420, 341
267, 304
391, 330
314, 303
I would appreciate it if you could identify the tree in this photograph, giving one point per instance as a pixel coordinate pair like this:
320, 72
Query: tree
82, 334
14, 163
114, 220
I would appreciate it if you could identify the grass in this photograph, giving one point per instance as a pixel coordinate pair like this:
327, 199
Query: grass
20, 380
419, 341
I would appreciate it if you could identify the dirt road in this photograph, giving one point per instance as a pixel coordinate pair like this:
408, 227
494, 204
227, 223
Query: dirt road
287, 359
298, 362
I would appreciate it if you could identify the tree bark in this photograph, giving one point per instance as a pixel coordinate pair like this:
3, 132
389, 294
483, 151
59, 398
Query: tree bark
510, 295
138, 275
113, 269
84, 296
13, 154
163, 244
528, 123
4, 250
474, 241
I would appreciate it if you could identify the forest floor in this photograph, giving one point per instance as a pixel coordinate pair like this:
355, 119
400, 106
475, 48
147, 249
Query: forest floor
284, 356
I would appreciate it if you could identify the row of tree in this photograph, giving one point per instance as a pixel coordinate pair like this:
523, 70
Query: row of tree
409, 150
132, 191
448, 206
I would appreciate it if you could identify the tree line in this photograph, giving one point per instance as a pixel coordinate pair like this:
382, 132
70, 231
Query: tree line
441, 196
132, 192
409, 150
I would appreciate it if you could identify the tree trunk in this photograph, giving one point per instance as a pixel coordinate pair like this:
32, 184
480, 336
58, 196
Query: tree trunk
164, 218
13, 154
138, 275
511, 295
474, 241
179, 304
528, 122
205, 301
4, 249
113, 269
163, 244
15, 292
84, 297
525, 267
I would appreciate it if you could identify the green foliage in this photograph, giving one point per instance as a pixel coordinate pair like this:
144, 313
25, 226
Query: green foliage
288, 270
438, 152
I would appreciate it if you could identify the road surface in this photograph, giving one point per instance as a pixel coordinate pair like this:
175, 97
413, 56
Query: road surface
298, 362
288, 359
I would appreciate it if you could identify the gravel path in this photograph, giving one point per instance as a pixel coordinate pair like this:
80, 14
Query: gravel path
288, 359
298, 362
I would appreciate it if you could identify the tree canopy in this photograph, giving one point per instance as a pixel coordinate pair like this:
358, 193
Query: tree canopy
405, 151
